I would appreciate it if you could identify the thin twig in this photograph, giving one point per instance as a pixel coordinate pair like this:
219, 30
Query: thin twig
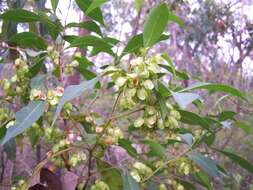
165, 164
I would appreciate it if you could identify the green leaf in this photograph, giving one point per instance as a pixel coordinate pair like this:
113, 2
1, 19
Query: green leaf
87, 74
54, 27
36, 67
127, 145
203, 180
184, 98
96, 14
86, 41
72, 92
111, 177
54, 4
187, 185
171, 65
162, 89
215, 88
136, 42
95, 4
155, 25
89, 25
28, 40
24, 119
163, 107
175, 19
225, 115
70, 38
91, 139
244, 126
20, 15
2, 132
129, 183
205, 163
138, 4
193, 119
237, 159
156, 150
180, 74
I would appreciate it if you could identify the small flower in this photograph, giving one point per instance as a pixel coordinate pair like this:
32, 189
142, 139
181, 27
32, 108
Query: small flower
59, 91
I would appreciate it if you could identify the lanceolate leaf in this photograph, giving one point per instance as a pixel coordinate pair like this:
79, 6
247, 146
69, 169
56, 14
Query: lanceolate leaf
95, 14
86, 41
54, 4
54, 27
129, 183
28, 40
111, 176
175, 19
156, 149
215, 88
237, 159
138, 4
20, 15
193, 119
24, 119
225, 115
95, 4
127, 145
136, 42
187, 185
155, 25
205, 163
72, 92
89, 25
244, 126
203, 180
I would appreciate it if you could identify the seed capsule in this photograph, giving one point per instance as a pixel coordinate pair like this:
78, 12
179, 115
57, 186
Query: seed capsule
148, 84
142, 94
139, 122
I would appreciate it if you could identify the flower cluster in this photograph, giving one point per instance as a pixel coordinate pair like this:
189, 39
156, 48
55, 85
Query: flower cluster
19, 83
53, 96
20, 186
111, 134
100, 185
77, 158
175, 185
140, 171
152, 117
69, 68
184, 166
53, 54
137, 84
